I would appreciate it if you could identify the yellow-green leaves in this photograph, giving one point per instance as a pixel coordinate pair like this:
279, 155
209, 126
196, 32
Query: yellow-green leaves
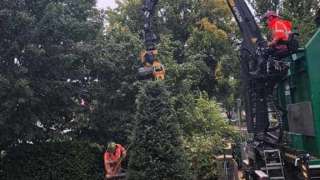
208, 26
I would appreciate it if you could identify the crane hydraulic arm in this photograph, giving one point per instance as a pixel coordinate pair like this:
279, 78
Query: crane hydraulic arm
251, 34
153, 69
150, 37
251, 52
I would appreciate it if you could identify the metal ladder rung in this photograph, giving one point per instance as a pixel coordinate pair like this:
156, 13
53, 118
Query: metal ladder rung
271, 151
273, 164
274, 168
277, 177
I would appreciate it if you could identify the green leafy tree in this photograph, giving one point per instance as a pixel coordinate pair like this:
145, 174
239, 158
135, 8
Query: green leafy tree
303, 14
206, 129
156, 151
206, 45
182, 24
44, 48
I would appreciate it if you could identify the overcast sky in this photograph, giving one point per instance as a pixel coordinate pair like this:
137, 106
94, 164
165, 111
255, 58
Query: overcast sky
103, 4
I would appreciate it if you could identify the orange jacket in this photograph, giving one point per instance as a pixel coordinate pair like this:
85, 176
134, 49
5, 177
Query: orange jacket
116, 155
280, 29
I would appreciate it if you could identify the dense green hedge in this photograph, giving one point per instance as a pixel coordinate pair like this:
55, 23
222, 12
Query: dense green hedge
54, 161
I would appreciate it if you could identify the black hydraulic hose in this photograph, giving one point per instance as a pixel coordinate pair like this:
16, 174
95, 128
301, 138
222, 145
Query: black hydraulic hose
148, 10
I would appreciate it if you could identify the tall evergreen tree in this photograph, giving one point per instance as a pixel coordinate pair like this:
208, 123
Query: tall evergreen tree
156, 151
114, 94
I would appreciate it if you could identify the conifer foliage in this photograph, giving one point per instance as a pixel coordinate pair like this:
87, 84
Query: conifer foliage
156, 151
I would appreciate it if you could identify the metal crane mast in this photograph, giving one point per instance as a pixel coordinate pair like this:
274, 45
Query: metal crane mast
153, 69
257, 90
150, 37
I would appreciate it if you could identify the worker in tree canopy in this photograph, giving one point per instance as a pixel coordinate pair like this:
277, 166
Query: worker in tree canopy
280, 30
113, 157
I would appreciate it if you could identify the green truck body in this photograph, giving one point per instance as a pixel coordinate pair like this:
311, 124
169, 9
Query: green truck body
299, 94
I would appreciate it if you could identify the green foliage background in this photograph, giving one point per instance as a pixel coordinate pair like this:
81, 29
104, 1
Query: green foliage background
53, 54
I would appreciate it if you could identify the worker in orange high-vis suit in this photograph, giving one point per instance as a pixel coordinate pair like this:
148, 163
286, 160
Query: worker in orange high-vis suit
113, 157
280, 30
